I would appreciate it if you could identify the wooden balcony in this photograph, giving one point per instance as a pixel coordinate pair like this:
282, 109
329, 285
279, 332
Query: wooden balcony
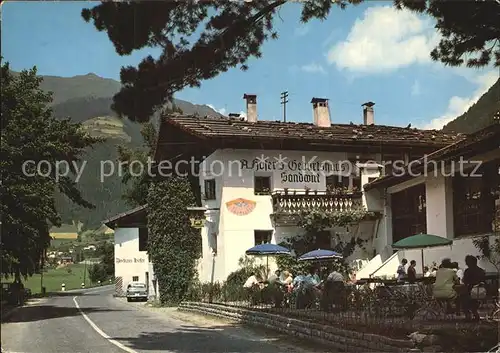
294, 203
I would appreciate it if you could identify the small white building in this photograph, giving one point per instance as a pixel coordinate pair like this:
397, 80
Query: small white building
256, 176
131, 258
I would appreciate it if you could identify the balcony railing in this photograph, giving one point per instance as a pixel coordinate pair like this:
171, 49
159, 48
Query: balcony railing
296, 202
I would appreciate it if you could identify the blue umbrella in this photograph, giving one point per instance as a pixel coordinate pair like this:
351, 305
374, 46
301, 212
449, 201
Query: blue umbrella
320, 254
268, 249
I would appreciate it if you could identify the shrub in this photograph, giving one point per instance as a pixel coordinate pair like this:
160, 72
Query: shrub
97, 272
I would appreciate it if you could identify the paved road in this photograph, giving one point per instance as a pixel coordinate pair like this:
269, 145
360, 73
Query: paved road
108, 325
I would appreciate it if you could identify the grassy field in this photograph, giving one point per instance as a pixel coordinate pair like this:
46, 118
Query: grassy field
55, 243
53, 278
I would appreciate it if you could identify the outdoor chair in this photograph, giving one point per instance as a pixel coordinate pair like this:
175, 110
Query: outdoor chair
430, 307
334, 294
493, 299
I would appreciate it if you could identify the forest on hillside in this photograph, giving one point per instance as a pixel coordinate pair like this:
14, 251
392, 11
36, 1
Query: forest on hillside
480, 114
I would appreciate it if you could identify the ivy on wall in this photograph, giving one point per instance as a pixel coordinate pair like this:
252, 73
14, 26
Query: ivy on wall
317, 220
173, 245
315, 224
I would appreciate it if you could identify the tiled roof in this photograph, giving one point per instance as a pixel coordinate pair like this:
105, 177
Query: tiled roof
220, 128
470, 144
111, 221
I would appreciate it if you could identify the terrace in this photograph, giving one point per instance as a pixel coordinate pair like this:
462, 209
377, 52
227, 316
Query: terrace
388, 309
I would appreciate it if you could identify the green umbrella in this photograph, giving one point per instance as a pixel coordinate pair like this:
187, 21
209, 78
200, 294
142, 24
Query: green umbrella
422, 241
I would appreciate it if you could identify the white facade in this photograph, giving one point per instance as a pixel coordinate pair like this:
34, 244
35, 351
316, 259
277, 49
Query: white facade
130, 263
439, 220
227, 235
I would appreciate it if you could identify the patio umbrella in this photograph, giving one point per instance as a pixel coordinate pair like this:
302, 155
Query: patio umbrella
266, 250
422, 241
320, 254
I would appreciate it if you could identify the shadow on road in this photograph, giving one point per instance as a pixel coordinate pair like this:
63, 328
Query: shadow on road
193, 339
46, 312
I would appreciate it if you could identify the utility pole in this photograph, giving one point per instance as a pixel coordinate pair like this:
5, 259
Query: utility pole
284, 101
42, 264
84, 269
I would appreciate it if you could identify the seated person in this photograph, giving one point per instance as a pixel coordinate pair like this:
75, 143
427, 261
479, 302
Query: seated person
473, 276
275, 288
334, 291
444, 286
287, 280
252, 285
275, 278
427, 272
251, 282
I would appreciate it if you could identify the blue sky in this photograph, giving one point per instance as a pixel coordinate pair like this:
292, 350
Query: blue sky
364, 53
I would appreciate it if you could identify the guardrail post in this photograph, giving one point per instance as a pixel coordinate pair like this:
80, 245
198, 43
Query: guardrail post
63, 287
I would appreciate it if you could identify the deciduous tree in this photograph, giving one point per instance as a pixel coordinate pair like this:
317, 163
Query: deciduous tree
31, 133
233, 32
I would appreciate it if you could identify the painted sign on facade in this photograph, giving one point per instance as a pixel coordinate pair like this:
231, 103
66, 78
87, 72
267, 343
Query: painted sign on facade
293, 171
241, 207
130, 261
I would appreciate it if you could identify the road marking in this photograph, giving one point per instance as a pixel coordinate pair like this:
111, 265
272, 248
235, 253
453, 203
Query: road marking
101, 332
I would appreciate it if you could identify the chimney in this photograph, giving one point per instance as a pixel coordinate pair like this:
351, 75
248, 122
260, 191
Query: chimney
251, 107
368, 115
321, 112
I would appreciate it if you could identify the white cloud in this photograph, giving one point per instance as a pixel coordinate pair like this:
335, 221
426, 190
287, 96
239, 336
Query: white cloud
220, 111
302, 30
415, 89
385, 39
459, 105
224, 112
313, 68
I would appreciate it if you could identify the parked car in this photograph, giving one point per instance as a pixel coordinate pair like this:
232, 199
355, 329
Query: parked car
137, 291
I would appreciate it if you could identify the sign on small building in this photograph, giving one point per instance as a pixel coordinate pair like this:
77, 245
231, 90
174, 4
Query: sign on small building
197, 223
197, 216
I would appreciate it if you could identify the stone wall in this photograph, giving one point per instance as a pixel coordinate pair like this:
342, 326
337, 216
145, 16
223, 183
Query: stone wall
335, 337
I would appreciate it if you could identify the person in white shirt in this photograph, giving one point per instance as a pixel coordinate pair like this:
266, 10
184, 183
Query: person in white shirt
334, 291
251, 281
401, 272
335, 276
427, 272
459, 271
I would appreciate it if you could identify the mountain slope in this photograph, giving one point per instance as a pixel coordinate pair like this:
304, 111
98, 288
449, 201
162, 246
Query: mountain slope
87, 99
82, 86
479, 114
